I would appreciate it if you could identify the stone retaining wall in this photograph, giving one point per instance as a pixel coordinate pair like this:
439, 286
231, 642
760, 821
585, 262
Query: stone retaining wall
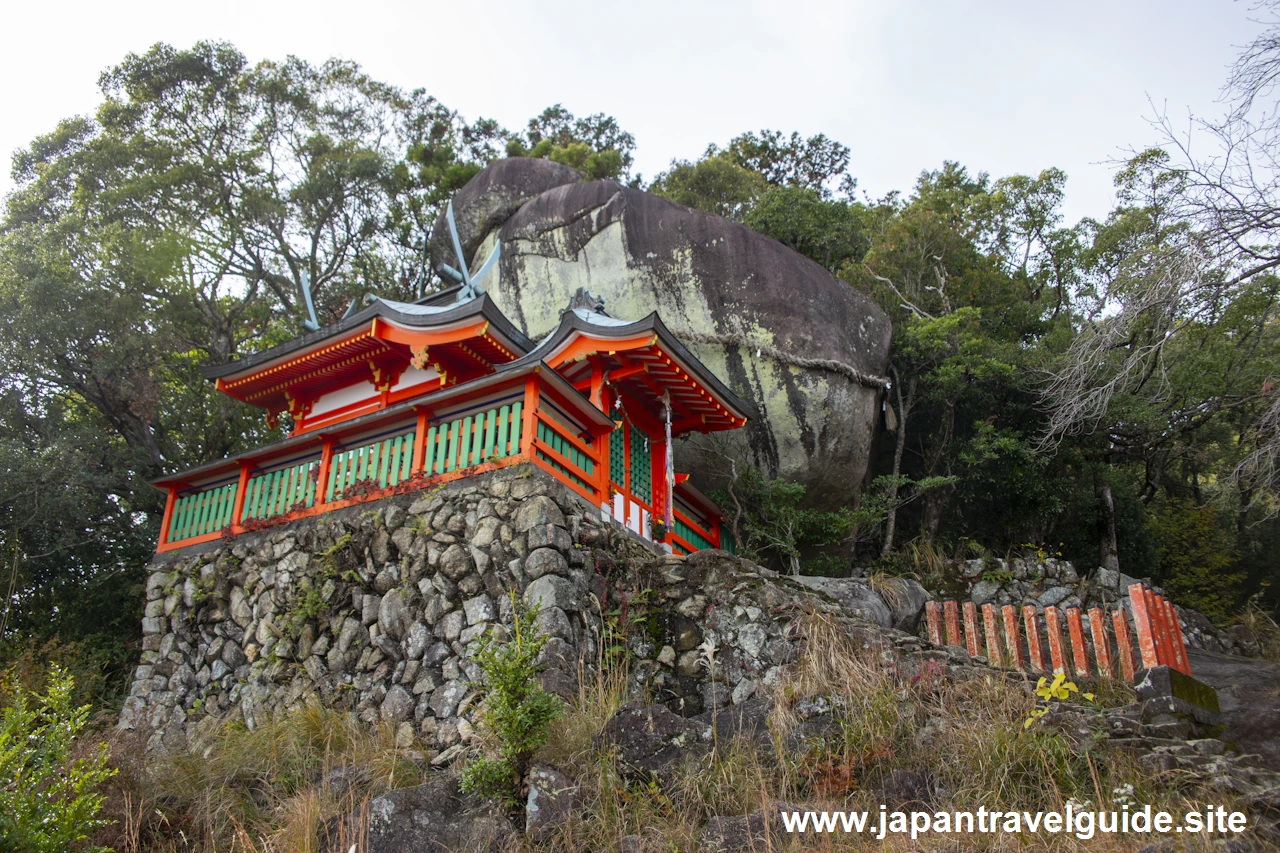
374, 608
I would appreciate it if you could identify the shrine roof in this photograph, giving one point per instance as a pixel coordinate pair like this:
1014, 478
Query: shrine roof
651, 358
427, 313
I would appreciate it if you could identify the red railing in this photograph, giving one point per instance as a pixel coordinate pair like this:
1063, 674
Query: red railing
1156, 630
531, 416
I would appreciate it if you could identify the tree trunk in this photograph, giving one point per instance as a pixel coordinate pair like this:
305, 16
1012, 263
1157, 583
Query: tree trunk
904, 409
1108, 549
935, 501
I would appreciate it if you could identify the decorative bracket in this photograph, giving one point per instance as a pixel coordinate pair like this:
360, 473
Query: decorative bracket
384, 377
298, 409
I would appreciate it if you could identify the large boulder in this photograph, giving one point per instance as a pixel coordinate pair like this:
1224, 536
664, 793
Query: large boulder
805, 347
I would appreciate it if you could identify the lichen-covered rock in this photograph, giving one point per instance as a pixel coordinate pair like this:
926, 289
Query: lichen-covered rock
808, 349
553, 797
651, 740
433, 818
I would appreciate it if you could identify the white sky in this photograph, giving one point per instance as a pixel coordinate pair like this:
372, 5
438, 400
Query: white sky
1004, 87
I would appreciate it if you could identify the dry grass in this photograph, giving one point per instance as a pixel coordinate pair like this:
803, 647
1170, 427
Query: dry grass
1263, 626
270, 789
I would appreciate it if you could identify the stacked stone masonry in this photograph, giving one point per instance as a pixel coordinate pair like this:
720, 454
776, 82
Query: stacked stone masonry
375, 609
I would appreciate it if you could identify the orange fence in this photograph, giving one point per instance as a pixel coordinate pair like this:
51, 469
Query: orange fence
1157, 635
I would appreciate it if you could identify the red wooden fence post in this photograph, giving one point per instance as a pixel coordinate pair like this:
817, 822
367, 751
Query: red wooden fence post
1011, 636
1177, 645
933, 620
953, 623
1142, 626
1076, 630
993, 635
1158, 634
1124, 646
1055, 639
1101, 650
970, 628
1034, 656
167, 518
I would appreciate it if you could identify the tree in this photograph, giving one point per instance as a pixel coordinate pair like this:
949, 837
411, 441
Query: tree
595, 145
830, 232
176, 228
714, 184
817, 163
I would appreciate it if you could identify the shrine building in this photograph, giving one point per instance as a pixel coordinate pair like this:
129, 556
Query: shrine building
398, 397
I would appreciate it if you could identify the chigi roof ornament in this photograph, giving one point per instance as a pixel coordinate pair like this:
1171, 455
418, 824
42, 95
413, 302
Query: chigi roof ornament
470, 284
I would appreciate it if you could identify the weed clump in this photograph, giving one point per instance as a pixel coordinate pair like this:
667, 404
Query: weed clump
517, 713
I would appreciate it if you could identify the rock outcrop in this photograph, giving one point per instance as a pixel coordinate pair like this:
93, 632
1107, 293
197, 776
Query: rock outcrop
808, 349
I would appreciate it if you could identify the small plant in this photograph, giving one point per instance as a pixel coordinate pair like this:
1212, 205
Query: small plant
517, 713
1058, 690
48, 800
303, 609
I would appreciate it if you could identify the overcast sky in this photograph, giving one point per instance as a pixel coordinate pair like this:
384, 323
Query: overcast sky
1002, 87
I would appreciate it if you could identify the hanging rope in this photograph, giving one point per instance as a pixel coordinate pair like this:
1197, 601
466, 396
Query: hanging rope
669, 466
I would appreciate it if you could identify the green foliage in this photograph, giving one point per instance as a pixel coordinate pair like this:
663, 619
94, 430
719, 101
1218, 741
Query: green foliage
830, 232
305, 607
775, 520
1196, 558
715, 184
595, 145
809, 164
517, 713
48, 796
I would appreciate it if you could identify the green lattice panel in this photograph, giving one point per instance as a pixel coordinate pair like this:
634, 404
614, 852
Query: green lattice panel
691, 536
640, 485
617, 457
202, 512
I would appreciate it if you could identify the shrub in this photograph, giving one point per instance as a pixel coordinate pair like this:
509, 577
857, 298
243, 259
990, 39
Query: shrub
48, 799
517, 712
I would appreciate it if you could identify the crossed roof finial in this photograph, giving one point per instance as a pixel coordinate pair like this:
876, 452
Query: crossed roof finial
470, 284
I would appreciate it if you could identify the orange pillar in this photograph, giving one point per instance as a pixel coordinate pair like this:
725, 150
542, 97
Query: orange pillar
1155, 614
419, 442
993, 635
528, 429
1124, 647
1177, 645
953, 623
1055, 639
326, 457
1034, 656
1101, 650
971, 627
1142, 626
167, 518
1076, 630
933, 622
1011, 636
242, 492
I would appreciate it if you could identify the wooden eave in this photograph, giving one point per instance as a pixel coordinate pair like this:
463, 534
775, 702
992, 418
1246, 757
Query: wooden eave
441, 401
641, 361
373, 345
